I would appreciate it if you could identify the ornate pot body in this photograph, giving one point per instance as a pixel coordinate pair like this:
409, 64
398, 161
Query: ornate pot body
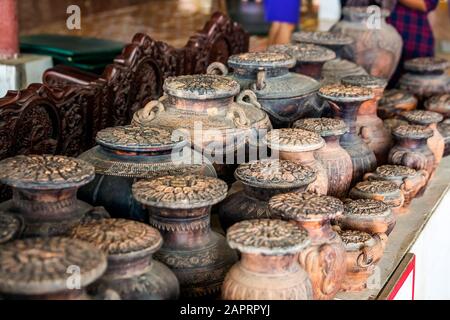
444, 129
269, 268
324, 258
299, 145
345, 101
262, 180
363, 252
370, 127
334, 158
426, 77
394, 102
179, 207
11, 227
38, 268
430, 119
131, 271
409, 180
45, 193
385, 191
367, 215
284, 95
411, 148
377, 47
127, 154
439, 103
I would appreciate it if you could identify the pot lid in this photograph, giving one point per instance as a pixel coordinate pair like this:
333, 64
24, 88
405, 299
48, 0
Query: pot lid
265, 60
271, 173
201, 87
45, 172
180, 192
336, 69
305, 206
427, 64
377, 187
305, 52
293, 140
324, 38
392, 171
394, 97
139, 139
345, 93
366, 81
40, 265
355, 239
367, 208
119, 236
325, 127
362, 12
439, 103
290, 85
10, 227
422, 117
412, 131
268, 237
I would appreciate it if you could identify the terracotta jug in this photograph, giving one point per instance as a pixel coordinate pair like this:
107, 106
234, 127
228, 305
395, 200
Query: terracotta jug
324, 259
394, 102
269, 267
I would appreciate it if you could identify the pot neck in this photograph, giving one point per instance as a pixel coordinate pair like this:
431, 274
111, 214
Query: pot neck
318, 230
412, 143
264, 194
120, 267
251, 73
311, 69
332, 141
305, 157
217, 106
347, 111
261, 263
369, 107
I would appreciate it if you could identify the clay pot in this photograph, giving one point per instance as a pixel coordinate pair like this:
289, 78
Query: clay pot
394, 102
363, 252
299, 145
337, 42
324, 258
411, 148
284, 95
426, 76
409, 180
127, 154
11, 227
262, 180
430, 119
345, 101
269, 268
45, 193
41, 268
439, 103
334, 158
367, 215
370, 127
310, 58
385, 191
179, 207
444, 129
377, 46
131, 271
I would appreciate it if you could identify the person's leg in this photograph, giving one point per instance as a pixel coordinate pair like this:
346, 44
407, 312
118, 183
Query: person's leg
273, 32
284, 33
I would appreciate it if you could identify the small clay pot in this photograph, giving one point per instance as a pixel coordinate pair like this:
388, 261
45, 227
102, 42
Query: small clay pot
269, 267
394, 102
439, 103
334, 158
363, 252
444, 129
262, 180
367, 215
11, 227
385, 191
324, 259
409, 180
430, 119
299, 145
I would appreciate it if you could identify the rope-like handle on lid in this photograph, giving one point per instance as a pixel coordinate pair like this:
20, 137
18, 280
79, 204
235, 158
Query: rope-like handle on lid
149, 112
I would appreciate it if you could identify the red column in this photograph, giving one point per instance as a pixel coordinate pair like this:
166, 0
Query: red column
9, 29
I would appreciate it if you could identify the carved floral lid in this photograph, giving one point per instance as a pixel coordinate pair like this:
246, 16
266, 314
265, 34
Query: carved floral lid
271, 173
395, 171
325, 127
376, 187
305, 52
439, 103
366, 81
139, 138
355, 239
395, 97
412, 131
266, 60
293, 140
267, 236
305, 206
180, 192
119, 236
427, 64
45, 172
367, 208
41, 265
422, 117
10, 227
201, 87
325, 38
345, 93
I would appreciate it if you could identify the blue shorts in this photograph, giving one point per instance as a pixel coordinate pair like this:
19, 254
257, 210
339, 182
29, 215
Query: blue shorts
282, 10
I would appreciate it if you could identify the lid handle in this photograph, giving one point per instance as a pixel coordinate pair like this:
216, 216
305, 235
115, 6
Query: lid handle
217, 68
149, 112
